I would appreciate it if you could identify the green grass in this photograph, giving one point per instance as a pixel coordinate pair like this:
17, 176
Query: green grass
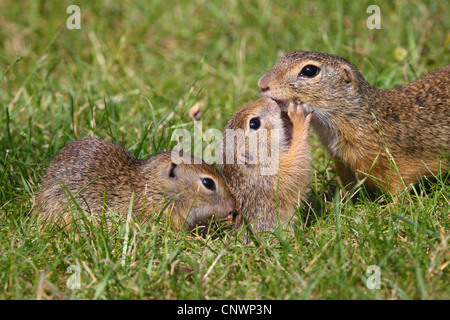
130, 75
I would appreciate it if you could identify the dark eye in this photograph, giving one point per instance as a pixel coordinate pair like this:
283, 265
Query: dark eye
310, 71
209, 184
255, 123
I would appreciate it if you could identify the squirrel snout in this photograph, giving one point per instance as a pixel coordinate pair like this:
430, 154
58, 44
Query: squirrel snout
226, 210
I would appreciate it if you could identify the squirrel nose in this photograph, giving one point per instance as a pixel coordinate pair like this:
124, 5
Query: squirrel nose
230, 208
226, 210
262, 83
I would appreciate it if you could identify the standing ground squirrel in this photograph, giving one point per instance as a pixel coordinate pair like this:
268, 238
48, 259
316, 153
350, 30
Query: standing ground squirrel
269, 167
91, 169
361, 125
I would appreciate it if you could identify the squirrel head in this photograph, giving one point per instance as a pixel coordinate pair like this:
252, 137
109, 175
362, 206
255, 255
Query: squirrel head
254, 139
318, 79
197, 190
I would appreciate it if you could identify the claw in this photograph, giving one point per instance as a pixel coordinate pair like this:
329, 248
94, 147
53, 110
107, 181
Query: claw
295, 110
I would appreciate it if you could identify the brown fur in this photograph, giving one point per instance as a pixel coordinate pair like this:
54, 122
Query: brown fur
259, 197
99, 167
359, 123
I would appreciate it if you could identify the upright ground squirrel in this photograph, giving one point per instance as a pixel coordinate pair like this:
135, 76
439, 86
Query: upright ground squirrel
268, 171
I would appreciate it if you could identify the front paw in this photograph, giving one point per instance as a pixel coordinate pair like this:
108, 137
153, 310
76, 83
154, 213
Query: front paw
297, 116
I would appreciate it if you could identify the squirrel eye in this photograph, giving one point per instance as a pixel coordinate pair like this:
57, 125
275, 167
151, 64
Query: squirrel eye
209, 184
255, 123
309, 71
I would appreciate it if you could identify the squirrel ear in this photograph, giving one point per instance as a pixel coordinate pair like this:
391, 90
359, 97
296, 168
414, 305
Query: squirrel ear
348, 77
172, 171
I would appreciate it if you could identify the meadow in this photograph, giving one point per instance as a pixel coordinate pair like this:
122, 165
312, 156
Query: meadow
131, 74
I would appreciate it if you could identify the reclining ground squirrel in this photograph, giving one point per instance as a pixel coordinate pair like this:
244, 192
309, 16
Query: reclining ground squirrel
267, 161
371, 131
91, 169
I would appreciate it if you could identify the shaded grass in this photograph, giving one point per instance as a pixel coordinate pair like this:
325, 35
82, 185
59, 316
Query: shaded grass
130, 75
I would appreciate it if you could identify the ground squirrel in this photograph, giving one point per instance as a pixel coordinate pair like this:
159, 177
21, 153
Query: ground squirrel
94, 168
268, 171
361, 125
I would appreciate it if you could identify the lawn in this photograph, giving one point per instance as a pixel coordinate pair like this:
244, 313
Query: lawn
131, 73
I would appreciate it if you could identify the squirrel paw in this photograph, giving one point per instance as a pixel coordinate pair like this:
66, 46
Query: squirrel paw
295, 113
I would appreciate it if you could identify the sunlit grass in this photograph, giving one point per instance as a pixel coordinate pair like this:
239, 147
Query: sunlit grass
130, 74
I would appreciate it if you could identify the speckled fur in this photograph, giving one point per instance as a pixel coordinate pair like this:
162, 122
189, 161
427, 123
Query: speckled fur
99, 167
358, 122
